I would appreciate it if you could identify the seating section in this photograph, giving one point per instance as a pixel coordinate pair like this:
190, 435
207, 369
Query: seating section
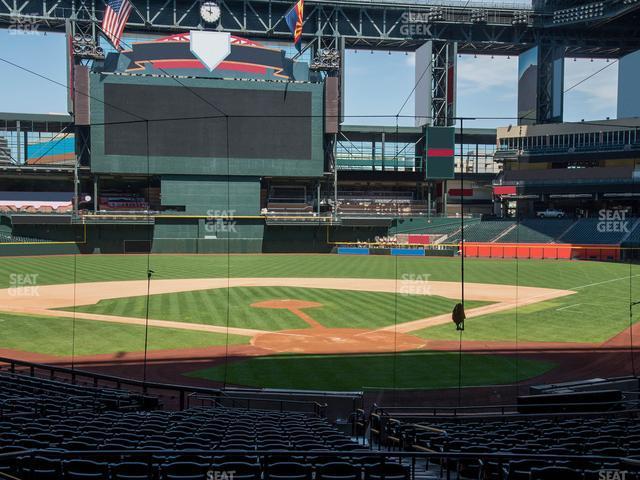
383, 202
185, 466
585, 231
596, 231
11, 238
198, 428
633, 240
481, 231
37, 396
102, 434
221, 429
602, 436
536, 231
125, 202
386, 207
291, 207
606, 435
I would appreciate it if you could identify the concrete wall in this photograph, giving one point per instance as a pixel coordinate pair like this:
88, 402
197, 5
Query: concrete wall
212, 195
189, 236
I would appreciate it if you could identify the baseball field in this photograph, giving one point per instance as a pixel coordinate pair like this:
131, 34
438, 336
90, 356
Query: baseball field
316, 321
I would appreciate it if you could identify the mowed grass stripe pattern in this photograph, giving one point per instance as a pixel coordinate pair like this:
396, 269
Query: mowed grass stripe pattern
420, 370
598, 311
96, 268
59, 337
340, 308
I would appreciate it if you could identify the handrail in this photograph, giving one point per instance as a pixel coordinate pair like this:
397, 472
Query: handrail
119, 381
318, 409
182, 391
510, 409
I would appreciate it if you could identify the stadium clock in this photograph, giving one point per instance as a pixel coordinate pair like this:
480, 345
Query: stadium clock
210, 12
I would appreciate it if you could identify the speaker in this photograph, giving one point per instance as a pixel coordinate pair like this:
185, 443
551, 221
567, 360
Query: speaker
81, 95
331, 105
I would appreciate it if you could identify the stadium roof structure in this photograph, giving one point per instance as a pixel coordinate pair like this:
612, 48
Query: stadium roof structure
604, 29
34, 122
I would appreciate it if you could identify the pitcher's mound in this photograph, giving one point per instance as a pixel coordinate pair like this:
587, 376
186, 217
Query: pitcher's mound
286, 304
336, 340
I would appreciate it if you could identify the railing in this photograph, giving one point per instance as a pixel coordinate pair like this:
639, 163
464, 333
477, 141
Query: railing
385, 422
366, 163
546, 150
626, 406
251, 403
184, 394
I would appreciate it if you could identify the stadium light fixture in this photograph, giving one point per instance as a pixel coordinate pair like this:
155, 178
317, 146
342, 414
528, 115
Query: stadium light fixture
581, 13
520, 18
479, 15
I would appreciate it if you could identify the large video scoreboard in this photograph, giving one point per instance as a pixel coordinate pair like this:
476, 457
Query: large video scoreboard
161, 125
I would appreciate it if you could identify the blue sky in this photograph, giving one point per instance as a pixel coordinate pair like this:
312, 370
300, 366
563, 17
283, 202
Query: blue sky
376, 83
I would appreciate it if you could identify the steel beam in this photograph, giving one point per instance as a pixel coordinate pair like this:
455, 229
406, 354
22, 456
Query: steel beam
384, 25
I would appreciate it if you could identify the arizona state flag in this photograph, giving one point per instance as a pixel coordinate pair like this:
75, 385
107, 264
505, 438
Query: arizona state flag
295, 19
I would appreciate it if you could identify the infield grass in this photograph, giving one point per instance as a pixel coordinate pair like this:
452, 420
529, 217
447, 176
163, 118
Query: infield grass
599, 309
55, 336
340, 308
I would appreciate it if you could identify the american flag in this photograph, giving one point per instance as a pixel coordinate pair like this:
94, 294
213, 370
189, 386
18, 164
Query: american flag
115, 18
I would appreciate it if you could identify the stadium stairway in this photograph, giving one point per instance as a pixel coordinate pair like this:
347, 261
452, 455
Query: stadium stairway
5, 152
486, 231
506, 232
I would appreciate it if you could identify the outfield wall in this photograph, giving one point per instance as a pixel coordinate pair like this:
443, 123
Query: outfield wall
193, 235
542, 251
179, 235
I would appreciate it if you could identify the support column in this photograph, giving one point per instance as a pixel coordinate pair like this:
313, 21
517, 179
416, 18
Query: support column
19, 143
95, 193
445, 55
382, 144
444, 198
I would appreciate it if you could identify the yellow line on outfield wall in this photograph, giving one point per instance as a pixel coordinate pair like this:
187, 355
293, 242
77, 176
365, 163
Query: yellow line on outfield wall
215, 217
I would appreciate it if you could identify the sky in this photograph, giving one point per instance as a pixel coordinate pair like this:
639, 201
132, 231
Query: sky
376, 86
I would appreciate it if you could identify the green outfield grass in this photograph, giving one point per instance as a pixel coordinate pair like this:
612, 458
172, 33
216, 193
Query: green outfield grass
356, 372
340, 308
99, 268
598, 311
54, 336
591, 316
